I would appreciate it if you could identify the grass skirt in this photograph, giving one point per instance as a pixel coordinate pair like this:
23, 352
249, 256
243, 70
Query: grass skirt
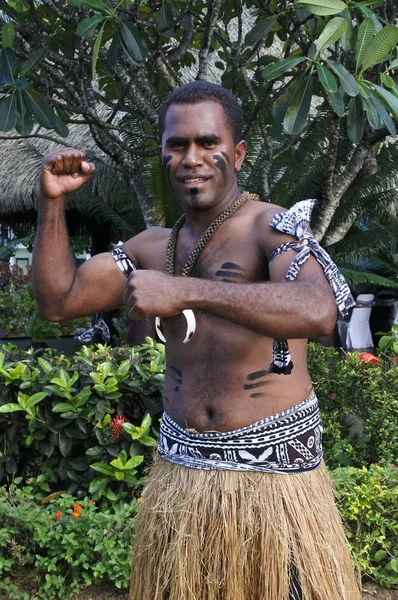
231, 535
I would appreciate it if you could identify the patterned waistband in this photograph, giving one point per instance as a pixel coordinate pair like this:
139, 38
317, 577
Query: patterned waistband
286, 442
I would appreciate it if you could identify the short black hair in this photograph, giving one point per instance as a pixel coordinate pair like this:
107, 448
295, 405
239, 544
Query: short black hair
195, 92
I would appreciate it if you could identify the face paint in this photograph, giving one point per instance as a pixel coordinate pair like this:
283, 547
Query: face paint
221, 164
225, 155
256, 375
167, 167
194, 197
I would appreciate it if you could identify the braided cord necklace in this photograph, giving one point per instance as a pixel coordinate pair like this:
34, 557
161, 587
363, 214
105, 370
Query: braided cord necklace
196, 252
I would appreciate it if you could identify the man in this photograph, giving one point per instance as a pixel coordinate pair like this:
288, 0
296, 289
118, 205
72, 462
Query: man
238, 505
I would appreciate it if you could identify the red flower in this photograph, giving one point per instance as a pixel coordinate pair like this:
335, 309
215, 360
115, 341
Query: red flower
116, 425
366, 357
57, 515
76, 514
77, 507
396, 359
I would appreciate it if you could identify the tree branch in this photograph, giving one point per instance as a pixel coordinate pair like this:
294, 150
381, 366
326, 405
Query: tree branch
211, 21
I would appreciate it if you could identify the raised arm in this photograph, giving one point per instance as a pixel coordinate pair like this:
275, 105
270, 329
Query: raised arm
61, 290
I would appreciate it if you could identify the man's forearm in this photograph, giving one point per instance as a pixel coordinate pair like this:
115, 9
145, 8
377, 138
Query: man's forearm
278, 310
53, 267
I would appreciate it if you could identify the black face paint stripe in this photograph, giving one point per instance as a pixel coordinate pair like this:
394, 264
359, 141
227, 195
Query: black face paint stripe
175, 378
256, 375
228, 280
227, 274
252, 386
221, 164
225, 155
230, 266
194, 197
257, 395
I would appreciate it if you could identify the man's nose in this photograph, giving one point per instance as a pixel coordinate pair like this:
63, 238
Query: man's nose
192, 156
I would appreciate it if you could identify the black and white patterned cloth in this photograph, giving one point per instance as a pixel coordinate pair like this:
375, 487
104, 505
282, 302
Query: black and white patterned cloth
286, 442
123, 262
296, 222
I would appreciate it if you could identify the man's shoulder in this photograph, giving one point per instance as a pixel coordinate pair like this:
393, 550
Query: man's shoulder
146, 245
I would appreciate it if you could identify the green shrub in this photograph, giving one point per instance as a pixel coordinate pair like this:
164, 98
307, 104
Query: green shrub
368, 501
65, 544
348, 386
60, 417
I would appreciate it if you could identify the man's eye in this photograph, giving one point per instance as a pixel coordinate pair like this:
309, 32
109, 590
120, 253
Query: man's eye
209, 144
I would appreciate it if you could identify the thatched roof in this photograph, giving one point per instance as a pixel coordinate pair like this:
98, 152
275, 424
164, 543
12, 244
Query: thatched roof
20, 161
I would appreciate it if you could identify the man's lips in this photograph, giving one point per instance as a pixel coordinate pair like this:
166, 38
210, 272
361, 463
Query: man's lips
193, 181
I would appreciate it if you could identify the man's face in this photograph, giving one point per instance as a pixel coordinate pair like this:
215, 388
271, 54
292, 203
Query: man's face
200, 156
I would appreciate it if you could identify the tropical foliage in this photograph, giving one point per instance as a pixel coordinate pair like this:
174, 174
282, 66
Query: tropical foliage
316, 78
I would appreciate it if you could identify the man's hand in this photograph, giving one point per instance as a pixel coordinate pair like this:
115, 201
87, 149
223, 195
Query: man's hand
64, 171
154, 294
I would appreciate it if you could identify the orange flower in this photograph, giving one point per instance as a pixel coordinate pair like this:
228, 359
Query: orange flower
116, 425
140, 500
366, 357
77, 507
76, 515
57, 515
393, 467
91, 501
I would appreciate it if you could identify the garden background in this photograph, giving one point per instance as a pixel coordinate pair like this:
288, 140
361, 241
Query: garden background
317, 80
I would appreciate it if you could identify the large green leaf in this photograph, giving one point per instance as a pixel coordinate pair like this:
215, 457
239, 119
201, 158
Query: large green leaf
369, 14
24, 122
96, 48
281, 66
365, 35
393, 65
7, 34
322, 7
8, 62
332, 32
388, 99
260, 31
348, 82
372, 115
34, 59
42, 112
326, 78
355, 120
297, 111
87, 26
96, 4
384, 41
8, 107
133, 43
280, 105
337, 103
384, 116
165, 21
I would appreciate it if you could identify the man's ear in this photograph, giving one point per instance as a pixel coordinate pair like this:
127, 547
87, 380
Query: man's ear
240, 153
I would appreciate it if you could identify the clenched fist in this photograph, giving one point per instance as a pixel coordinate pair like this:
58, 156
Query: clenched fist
155, 294
64, 171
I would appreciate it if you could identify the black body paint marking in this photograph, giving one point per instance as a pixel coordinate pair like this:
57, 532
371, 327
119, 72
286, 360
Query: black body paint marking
210, 412
231, 266
167, 400
256, 375
229, 270
177, 377
225, 155
257, 395
227, 274
251, 386
221, 164
194, 197
167, 167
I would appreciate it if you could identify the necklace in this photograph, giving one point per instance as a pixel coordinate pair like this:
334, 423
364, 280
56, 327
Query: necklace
196, 252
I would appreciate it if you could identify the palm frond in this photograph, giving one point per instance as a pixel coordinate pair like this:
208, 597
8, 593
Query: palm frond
353, 275
366, 243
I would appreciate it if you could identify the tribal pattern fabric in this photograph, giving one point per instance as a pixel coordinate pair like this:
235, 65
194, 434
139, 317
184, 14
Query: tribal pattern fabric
99, 327
123, 262
286, 442
296, 222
